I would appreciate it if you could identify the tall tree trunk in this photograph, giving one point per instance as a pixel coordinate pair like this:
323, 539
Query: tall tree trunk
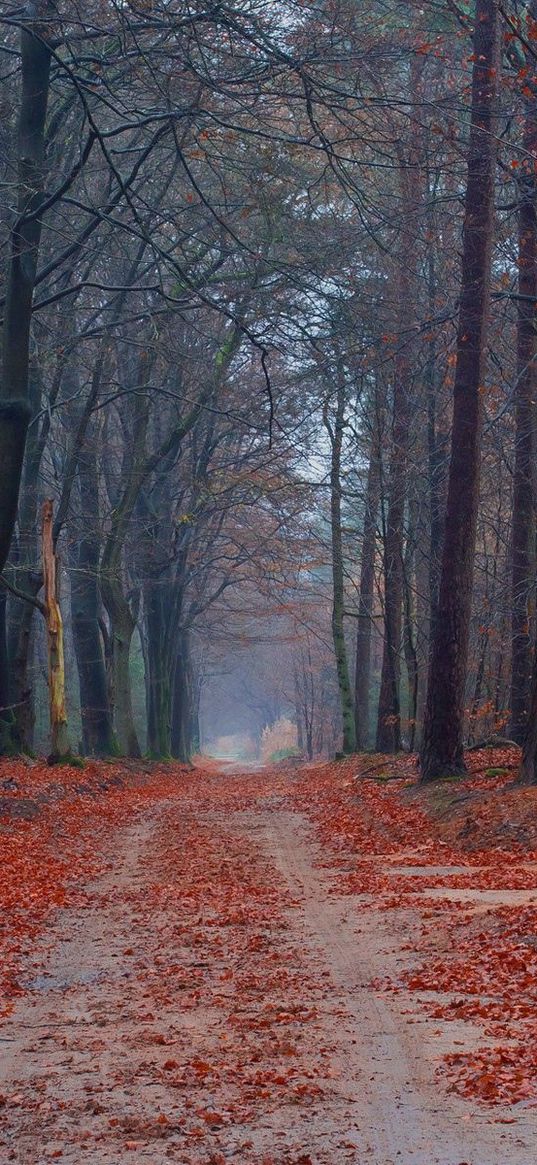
26, 572
366, 593
442, 744
97, 730
298, 712
389, 709
436, 452
500, 687
195, 701
122, 630
430, 521
409, 625
19, 663
6, 711
24, 249
182, 695
160, 668
429, 475
528, 767
523, 535
122, 621
478, 689
338, 587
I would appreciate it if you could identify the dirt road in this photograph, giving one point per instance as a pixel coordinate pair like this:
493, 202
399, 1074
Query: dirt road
209, 999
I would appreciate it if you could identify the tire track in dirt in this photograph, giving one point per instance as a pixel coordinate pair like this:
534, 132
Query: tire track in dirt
83, 1058
387, 1056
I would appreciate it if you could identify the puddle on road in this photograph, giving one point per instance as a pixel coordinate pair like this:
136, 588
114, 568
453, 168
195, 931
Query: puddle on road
63, 982
476, 898
430, 871
483, 898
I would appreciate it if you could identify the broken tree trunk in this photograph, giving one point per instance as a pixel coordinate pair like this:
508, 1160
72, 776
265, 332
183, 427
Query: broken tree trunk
60, 746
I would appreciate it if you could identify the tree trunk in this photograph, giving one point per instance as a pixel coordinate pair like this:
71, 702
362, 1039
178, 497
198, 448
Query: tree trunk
366, 594
182, 718
478, 689
436, 457
523, 535
122, 621
23, 253
389, 709
97, 731
84, 552
6, 711
528, 767
158, 608
409, 621
20, 660
442, 745
25, 572
195, 700
388, 727
122, 630
338, 588
59, 735
298, 713
122, 626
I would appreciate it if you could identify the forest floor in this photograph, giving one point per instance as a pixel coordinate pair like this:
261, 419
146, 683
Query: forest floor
323, 964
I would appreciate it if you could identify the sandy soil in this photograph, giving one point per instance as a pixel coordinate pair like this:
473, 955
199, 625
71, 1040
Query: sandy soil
85, 1057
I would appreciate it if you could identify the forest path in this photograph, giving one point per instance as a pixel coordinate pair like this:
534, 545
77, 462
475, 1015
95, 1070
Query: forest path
209, 999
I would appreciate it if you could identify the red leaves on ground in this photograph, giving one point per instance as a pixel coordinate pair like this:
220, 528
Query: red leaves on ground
218, 917
481, 952
48, 842
209, 1004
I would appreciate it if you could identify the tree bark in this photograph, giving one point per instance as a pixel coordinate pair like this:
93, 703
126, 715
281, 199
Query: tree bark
181, 741
23, 253
409, 625
59, 735
298, 712
478, 689
523, 531
25, 571
366, 593
97, 731
528, 767
338, 588
122, 621
6, 711
442, 744
160, 672
122, 630
389, 709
